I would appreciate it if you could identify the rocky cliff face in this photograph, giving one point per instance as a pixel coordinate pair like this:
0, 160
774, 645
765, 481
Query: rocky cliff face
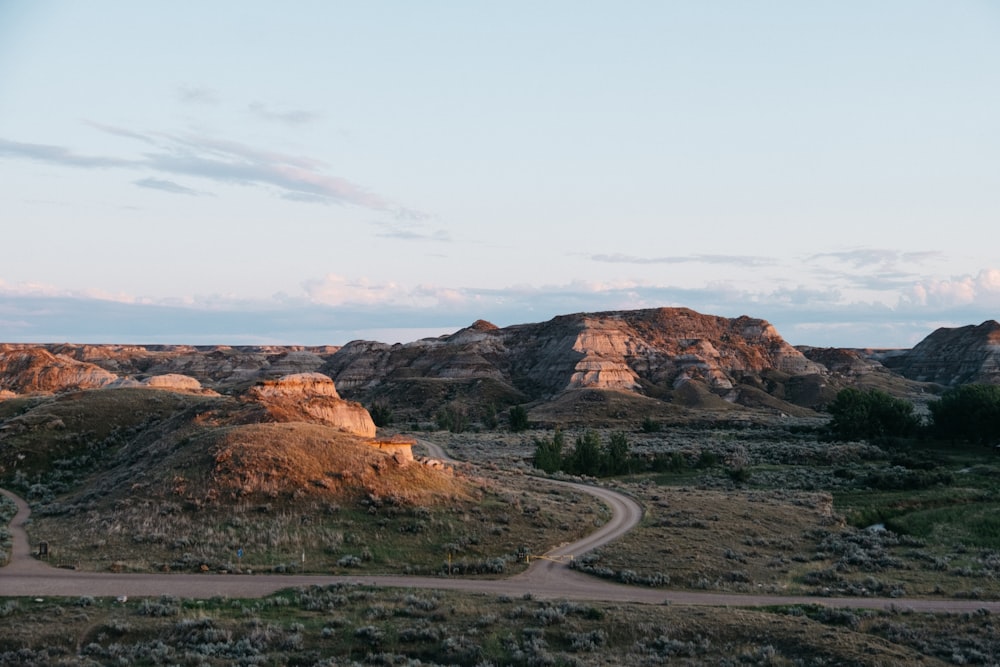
36, 370
213, 366
665, 356
642, 351
954, 356
309, 397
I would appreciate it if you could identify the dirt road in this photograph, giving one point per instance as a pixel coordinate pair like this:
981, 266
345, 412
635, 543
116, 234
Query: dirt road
26, 576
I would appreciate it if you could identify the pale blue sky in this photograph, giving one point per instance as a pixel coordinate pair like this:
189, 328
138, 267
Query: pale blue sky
315, 172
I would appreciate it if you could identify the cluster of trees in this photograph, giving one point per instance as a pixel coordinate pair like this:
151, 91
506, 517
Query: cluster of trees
589, 455
969, 413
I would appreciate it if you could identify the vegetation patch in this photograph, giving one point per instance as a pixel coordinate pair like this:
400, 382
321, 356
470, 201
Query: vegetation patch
348, 624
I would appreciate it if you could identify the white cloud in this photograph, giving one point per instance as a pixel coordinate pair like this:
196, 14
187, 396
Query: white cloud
982, 289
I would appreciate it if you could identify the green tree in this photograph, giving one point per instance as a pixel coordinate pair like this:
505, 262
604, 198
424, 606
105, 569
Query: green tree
650, 425
548, 452
518, 419
587, 456
381, 413
616, 454
868, 415
453, 417
970, 412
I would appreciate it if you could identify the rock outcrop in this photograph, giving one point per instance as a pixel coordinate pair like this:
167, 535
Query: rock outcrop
36, 370
309, 397
214, 365
950, 357
666, 356
641, 351
174, 382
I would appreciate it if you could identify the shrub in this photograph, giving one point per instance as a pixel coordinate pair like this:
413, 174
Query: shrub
970, 412
381, 413
869, 415
518, 419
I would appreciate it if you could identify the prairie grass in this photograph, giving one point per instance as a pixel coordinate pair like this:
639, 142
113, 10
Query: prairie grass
346, 624
481, 535
799, 519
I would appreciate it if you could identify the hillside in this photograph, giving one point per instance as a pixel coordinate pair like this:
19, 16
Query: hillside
953, 356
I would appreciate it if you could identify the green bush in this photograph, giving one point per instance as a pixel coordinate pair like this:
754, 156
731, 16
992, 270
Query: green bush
518, 419
548, 452
870, 415
970, 412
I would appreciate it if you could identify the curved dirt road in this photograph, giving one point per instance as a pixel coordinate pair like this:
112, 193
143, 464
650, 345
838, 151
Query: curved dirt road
26, 576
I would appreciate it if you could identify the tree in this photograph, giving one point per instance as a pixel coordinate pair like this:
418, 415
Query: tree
970, 412
548, 452
587, 456
381, 413
518, 419
616, 455
868, 415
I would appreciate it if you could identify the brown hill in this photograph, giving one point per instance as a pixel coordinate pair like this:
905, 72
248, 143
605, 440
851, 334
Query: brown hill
36, 370
954, 356
651, 353
200, 449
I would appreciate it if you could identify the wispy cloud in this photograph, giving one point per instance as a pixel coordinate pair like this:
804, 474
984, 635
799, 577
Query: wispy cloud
289, 117
731, 260
60, 155
168, 186
196, 95
296, 177
410, 232
864, 257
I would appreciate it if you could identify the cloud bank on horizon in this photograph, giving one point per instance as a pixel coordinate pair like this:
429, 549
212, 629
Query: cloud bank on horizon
333, 171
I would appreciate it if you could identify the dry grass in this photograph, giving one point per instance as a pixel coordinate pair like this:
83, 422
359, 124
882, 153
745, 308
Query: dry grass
341, 623
172, 483
710, 539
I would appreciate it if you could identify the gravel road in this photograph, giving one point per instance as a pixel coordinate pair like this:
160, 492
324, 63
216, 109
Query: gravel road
545, 578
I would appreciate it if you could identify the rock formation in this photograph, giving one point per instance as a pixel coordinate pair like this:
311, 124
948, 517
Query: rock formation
173, 382
641, 351
664, 356
36, 370
309, 397
954, 356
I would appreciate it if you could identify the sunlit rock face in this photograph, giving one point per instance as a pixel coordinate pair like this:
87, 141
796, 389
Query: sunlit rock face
36, 370
310, 397
215, 366
624, 350
953, 356
173, 382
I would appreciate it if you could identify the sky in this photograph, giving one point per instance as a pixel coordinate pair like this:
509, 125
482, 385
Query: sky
311, 173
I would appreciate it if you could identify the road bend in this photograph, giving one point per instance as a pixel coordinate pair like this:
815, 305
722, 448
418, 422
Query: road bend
548, 577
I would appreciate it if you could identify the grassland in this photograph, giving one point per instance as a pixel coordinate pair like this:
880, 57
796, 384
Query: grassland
347, 625
803, 516
731, 507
